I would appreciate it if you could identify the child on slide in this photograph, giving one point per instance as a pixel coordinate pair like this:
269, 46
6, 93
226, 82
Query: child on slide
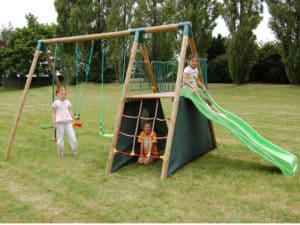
191, 80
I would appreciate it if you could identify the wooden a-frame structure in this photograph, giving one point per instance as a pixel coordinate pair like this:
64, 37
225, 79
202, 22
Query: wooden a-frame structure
138, 41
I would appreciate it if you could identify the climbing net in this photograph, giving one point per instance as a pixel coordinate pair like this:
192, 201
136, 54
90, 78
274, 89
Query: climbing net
135, 135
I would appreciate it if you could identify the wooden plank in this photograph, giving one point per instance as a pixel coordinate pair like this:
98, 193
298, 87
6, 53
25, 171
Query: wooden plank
174, 108
87, 37
194, 51
21, 106
57, 82
153, 95
162, 28
78, 38
149, 67
122, 105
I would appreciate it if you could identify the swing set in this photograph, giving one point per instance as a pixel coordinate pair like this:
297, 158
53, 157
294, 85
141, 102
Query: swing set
134, 109
78, 100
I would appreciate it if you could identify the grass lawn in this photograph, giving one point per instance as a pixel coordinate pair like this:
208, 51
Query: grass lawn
228, 185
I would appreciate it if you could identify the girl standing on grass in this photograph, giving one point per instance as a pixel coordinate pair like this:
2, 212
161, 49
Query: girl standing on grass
191, 80
62, 120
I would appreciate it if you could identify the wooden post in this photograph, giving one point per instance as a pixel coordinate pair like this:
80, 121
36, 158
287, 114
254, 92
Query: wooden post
210, 124
21, 106
123, 101
148, 67
58, 84
172, 124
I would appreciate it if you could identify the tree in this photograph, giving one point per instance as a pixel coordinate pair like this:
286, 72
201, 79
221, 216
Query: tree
21, 45
202, 14
78, 17
217, 61
241, 17
285, 23
203, 18
217, 70
4, 36
119, 18
217, 47
149, 13
269, 67
73, 17
5, 33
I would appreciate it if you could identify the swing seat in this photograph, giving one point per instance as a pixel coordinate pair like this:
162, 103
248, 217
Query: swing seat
46, 126
76, 124
107, 135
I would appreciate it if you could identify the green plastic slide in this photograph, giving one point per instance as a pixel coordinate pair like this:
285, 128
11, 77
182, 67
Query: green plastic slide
285, 161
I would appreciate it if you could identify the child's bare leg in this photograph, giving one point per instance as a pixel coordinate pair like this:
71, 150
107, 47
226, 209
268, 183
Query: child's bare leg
75, 153
208, 102
214, 108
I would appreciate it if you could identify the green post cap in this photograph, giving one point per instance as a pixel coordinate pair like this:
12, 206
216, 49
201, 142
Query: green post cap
138, 34
40, 46
186, 27
182, 24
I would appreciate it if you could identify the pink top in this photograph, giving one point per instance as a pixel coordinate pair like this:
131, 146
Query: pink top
62, 111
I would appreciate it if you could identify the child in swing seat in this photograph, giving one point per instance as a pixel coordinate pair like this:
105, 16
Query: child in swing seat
148, 147
191, 80
62, 121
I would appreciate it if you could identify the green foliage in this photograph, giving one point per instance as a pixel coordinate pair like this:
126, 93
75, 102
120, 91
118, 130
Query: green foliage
217, 70
218, 47
21, 43
5, 33
118, 19
202, 15
241, 18
217, 61
73, 17
85, 17
269, 67
151, 13
241, 54
285, 23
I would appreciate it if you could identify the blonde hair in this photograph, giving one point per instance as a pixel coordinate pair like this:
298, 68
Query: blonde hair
193, 56
60, 89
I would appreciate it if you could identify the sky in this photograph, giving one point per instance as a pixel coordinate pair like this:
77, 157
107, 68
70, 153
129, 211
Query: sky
14, 11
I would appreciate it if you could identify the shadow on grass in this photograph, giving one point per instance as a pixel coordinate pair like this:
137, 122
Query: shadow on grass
221, 162
214, 164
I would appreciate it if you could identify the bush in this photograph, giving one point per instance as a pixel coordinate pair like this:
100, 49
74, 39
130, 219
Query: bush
217, 71
269, 67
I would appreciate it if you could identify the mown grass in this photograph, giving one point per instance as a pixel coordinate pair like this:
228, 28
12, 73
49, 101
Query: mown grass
227, 185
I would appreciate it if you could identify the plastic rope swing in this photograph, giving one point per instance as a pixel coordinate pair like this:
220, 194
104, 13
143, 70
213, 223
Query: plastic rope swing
101, 124
124, 63
47, 126
57, 47
78, 103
